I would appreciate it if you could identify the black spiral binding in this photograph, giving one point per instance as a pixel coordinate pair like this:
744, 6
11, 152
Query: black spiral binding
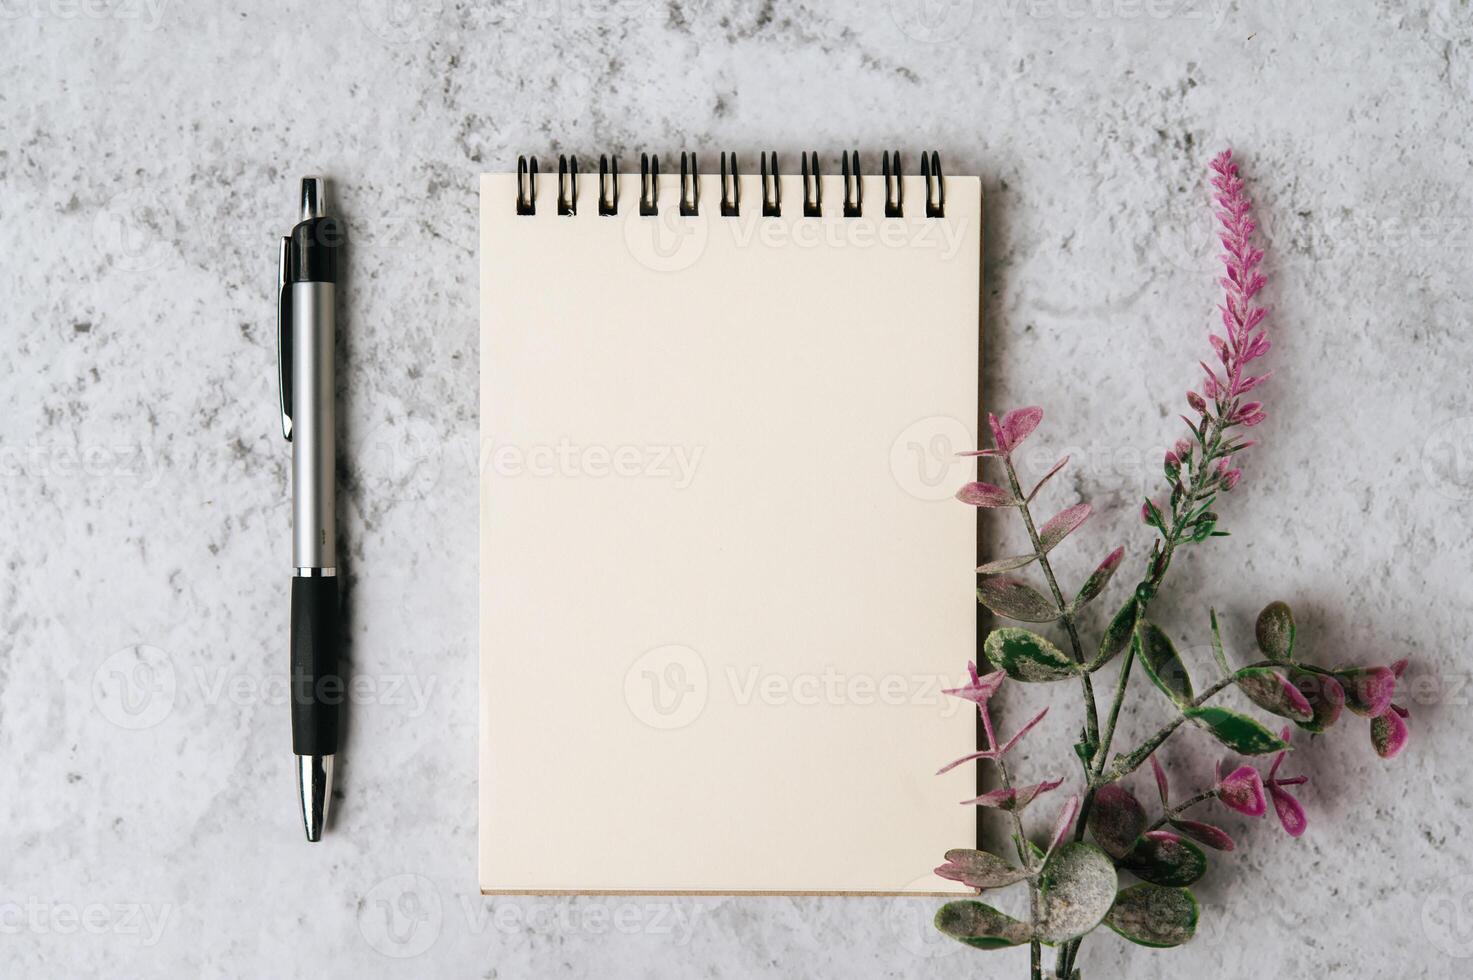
567, 190
772, 196
608, 200
731, 187
893, 194
690, 187
731, 207
649, 185
853, 196
931, 171
526, 186
812, 198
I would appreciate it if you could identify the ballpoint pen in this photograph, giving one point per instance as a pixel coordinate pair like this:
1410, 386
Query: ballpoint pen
305, 321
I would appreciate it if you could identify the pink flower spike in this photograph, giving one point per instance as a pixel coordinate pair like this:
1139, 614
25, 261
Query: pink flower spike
981, 689
1183, 449
1161, 787
1061, 825
1021, 732
1290, 813
1016, 426
1242, 790
985, 495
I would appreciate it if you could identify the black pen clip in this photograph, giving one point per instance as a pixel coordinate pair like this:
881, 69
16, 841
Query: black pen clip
284, 338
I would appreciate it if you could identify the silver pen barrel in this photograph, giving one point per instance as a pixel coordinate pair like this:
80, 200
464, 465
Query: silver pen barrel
314, 495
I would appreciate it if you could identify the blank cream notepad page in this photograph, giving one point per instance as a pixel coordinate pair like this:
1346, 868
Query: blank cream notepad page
723, 579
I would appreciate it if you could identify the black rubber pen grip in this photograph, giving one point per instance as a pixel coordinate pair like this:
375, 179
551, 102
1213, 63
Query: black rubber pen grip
316, 686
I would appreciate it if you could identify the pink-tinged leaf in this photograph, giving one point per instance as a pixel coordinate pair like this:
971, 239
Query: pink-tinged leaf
1205, 834
1273, 692
1005, 564
985, 495
979, 869
1368, 690
981, 689
1061, 825
1273, 770
1062, 524
1023, 731
984, 754
979, 452
1099, 578
1290, 813
1117, 819
1220, 345
1242, 790
1325, 696
1163, 789
1016, 600
1230, 479
1389, 734
1014, 799
1398, 668
1039, 485
1016, 426
1198, 403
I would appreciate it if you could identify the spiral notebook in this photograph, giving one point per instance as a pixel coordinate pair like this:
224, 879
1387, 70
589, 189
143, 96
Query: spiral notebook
723, 578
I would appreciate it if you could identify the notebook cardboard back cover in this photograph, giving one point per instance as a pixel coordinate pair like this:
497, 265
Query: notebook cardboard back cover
723, 580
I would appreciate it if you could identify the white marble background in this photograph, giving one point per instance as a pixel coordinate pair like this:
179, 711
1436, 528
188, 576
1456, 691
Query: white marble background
148, 159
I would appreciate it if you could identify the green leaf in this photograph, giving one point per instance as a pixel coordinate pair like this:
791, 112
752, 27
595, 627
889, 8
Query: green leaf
1275, 632
1237, 731
1161, 661
1026, 656
1325, 696
1005, 564
1152, 915
1272, 692
1153, 515
981, 926
1016, 599
979, 869
1117, 634
1164, 858
1217, 651
1078, 886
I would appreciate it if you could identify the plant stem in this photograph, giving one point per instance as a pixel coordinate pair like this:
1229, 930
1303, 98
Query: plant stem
1066, 613
1035, 951
1145, 591
1201, 797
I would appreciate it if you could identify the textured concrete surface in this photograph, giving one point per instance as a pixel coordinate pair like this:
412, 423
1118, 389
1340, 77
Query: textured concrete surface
147, 162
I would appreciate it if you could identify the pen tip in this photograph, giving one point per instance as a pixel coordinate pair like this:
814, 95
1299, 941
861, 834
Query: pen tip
314, 785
